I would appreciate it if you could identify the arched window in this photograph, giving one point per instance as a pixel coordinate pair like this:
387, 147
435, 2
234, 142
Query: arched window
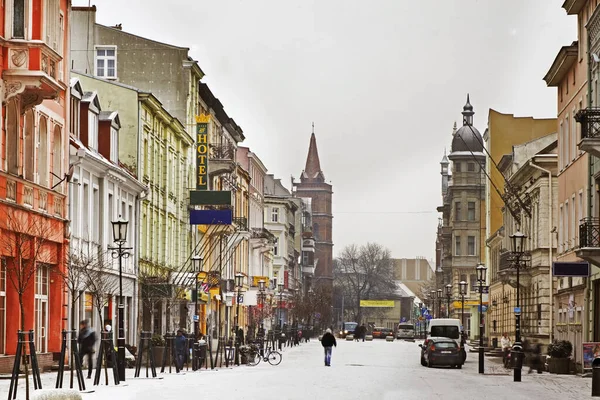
57, 157
12, 138
316, 231
28, 156
43, 152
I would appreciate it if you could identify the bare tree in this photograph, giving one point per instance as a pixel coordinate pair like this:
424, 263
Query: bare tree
362, 273
25, 237
102, 283
153, 290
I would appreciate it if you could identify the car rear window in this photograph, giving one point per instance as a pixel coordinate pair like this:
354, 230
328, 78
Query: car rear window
405, 327
448, 331
445, 345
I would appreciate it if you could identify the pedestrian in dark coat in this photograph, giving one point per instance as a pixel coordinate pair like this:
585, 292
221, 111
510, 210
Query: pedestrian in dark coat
328, 341
536, 359
181, 350
87, 342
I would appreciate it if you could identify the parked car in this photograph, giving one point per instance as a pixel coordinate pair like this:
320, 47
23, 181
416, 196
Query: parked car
441, 351
449, 328
405, 331
380, 332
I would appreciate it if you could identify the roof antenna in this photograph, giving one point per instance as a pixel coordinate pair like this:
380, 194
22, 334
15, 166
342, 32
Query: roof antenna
313, 127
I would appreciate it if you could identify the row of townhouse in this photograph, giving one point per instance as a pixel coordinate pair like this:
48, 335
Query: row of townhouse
99, 125
542, 179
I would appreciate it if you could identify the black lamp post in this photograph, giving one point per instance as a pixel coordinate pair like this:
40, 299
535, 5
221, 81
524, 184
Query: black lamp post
120, 237
440, 299
197, 266
420, 319
239, 280
448, 297
280, 287
433, 293
517, 239
463, 291
481, 279
262, 298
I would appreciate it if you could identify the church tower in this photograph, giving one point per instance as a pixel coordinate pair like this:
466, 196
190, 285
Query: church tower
312, 185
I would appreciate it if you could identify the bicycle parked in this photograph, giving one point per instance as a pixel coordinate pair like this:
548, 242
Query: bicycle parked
255, 354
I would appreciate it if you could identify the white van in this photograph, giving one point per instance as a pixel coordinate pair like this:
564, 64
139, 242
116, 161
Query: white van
444, 327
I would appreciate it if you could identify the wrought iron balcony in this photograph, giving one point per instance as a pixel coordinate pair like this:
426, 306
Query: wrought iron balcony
262, 233
589, 233
589, 118
222, 151
241, 223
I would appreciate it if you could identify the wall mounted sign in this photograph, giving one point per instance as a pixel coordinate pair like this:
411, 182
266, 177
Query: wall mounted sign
202, 151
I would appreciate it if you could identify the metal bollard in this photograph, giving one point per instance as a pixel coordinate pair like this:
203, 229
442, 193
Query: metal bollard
596, 377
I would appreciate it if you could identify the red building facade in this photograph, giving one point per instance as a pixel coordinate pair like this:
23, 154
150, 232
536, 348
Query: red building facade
312, 185
33, 165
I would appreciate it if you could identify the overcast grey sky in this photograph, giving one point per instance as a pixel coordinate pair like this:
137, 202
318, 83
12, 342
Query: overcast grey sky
383, 81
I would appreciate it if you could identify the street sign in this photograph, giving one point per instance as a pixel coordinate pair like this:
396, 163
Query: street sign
196, 318
517, 310
240, 299
428, 316
421, 318
403, 319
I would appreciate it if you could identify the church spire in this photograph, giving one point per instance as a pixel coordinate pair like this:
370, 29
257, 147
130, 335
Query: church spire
312, 170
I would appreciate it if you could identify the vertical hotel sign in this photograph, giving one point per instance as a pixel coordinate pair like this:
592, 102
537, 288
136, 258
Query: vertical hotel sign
202, 151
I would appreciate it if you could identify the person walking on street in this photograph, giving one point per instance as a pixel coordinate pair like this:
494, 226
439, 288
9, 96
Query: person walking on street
87, 342
505, 344
328, 341
536, 359
180, 350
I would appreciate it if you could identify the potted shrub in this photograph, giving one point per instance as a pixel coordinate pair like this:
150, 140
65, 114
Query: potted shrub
560, 357
158, 345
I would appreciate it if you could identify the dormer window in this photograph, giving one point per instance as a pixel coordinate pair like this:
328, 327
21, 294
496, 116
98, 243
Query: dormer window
93, 130
114, 145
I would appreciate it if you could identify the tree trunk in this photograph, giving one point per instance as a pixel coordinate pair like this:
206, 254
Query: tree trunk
25, 366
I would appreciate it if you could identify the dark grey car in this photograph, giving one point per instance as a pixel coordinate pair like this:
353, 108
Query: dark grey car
441, 351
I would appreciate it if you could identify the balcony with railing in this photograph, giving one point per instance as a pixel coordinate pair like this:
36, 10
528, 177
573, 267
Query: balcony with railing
507, 268
30, 195
222, 158
589, 118
33, 73
589, 240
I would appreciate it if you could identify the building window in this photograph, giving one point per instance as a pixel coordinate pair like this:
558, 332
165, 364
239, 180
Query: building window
106, 62
560, 229
471, 167
2, 304
114, 146
457, 251
457, 167
305, 258
471, 245
92, 131
12, 138
28, 156
474, 285
458, 211
19, 19
53, 22
275, 214
57, 157
471, 211
41, 307
43, 152
567, 236
276, 247
463, 278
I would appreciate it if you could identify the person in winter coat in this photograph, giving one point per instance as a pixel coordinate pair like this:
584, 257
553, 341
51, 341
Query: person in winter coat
87, 341
181, 350
328, 341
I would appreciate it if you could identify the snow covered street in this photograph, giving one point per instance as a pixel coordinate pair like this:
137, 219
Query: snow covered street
378, 369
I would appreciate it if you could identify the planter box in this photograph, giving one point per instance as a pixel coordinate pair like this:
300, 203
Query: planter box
559, 365
368, 338
389, 339
158, 356
349, 337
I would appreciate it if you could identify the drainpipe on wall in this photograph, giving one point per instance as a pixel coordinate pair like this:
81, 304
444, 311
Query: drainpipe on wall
550, 205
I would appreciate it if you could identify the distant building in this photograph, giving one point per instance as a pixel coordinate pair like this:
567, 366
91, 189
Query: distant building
413, 272
312, 185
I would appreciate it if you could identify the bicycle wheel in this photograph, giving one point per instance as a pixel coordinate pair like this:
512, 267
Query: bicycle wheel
253, 358
274, 358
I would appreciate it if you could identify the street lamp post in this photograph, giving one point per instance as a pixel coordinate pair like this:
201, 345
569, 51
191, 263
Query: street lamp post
481, 278
262, 297
463, 291
120, 237
433, 293
517, 240
448, 296
197, 265
440, 299
239, 280
280, 287
420, 319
